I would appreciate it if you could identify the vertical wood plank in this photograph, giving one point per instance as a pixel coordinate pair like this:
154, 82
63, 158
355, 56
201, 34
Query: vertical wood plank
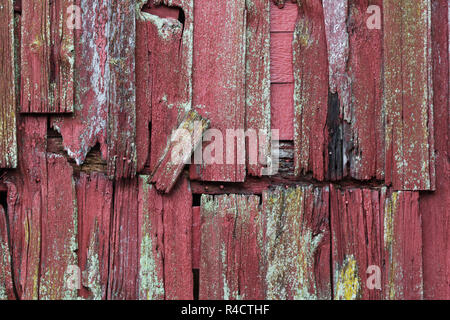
257, 82
151, 242
219, 80
434, 206
373, 228
297, 243
94, 202
124, 248
364, 135
8, 142
88, 125
27, 202
59, 232
47, 57
6, 284
311, 90
230, 259
408, 94
121, 130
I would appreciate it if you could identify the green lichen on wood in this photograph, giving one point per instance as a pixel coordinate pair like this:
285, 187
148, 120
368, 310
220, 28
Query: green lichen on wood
347, 281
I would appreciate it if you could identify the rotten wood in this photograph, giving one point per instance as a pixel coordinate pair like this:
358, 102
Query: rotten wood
310, 60
257, 84
183, 142
219, 85
370, 239
121, 130
6, 283
47, 64
8, 142
434, 206
297, 243
94, 202
408, 95
230, 257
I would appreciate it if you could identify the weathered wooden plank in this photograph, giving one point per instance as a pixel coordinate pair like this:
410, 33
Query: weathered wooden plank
59, 232
94, 202
183, 142
169, 77
257, 83
89, 123
311, 90
27, 201
121, 130
281, 67
177, 217
408, 92
151, 242
231, 265
196, 237
369, 233
47, 65
6, 283
364, 134
434, 206
283, 20
282, 106
219, 59
8, 142
124, 245
297, 243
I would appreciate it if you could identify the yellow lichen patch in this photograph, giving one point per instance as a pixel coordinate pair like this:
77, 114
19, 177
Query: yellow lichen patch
347, 281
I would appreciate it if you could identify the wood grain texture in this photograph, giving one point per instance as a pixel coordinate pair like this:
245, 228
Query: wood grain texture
6, 283
408, 94
257, 84
27, 202
297, 243
94, 202
58, 231
8, 142
89, 123
124, 246
311, 91
121, 130
170, 50
47, 64
183, 142
434, 206
369, 229
230, 258
219, 79
364, 133
281, 67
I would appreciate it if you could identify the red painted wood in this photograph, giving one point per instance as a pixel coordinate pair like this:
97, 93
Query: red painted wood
366, 129
311, 91
369, 229
6, 283
94, 202
89, 123
58, 231
196, 237
231, 261
8, 142
283, 20
408, 92
434, 206
219, 76
282, 106
281, 57
121, 132
257, 85
47, 68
